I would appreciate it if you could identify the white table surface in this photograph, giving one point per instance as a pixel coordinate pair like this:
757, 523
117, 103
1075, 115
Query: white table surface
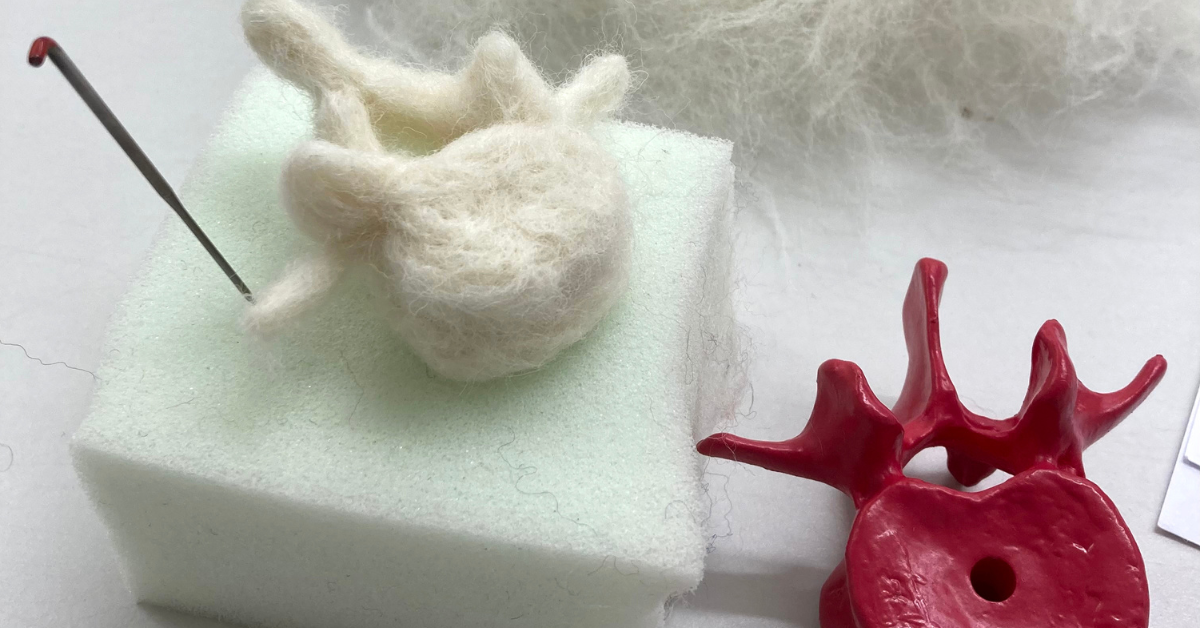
1101, 231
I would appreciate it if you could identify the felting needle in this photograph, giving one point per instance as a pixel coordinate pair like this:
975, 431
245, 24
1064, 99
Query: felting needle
46, 47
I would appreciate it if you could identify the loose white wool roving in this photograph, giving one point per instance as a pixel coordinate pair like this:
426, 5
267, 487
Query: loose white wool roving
498, 249
798, 74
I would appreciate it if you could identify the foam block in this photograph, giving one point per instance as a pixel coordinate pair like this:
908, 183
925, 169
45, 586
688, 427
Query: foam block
332, 480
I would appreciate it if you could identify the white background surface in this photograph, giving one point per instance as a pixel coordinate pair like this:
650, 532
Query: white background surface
1101, 231
75, 219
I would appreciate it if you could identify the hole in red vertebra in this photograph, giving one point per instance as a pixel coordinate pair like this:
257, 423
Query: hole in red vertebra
993, 579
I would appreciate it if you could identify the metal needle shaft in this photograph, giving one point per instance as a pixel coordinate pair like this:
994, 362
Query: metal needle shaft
46, 47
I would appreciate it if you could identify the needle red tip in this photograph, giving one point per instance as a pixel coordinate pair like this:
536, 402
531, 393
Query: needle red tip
38, 51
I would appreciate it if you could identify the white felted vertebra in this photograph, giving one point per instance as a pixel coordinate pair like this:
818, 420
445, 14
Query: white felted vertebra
502, 246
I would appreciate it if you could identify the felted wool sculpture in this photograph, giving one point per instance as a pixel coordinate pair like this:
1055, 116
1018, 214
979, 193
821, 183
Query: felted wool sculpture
792, 73
348, 487
496, 226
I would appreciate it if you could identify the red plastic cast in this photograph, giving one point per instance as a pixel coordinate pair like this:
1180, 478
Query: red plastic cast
1044, 549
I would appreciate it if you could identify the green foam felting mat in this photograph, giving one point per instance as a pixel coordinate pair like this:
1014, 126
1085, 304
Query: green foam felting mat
330, 479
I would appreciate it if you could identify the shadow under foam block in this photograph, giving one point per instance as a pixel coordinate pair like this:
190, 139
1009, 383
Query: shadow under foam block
333, 481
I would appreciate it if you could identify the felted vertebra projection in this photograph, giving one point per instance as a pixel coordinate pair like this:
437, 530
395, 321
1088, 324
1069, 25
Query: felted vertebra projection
1044, 549
504, 243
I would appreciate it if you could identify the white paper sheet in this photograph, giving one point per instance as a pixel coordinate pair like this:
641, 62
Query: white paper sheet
1192, 441
1181, 509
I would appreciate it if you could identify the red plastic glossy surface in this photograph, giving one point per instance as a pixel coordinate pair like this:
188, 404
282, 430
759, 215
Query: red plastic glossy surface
38, 51
1044, 549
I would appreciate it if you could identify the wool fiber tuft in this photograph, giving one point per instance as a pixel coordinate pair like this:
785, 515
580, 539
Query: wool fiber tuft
798, 74
495, 225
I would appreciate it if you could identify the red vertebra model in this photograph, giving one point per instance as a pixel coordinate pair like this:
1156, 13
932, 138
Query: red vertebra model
1045, 549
